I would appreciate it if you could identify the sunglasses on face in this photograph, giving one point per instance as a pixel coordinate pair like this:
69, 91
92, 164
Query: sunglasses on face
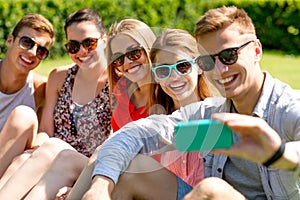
132, 54
89, 44
227, 57
26, 42
183, 68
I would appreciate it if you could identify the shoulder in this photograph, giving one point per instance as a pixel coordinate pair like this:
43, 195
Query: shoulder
284, 93
58, 75
59, 72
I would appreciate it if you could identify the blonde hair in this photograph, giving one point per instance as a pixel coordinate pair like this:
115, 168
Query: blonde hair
173, 40
137, 30
219, 18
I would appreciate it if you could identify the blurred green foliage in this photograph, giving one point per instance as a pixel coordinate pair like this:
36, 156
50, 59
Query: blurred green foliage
277, 22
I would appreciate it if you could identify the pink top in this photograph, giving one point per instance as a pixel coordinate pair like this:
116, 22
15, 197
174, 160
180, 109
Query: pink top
188, 166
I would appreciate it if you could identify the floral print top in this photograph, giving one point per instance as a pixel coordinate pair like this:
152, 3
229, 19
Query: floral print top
84, 127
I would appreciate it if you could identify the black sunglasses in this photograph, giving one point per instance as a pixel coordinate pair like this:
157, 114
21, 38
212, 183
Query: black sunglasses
132, 54
227, 57
26, 42
183, 68
89, 44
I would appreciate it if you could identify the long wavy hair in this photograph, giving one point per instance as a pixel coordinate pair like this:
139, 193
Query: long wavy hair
174, 40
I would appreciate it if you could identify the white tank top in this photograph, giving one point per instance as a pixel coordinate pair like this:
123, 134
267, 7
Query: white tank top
25, 96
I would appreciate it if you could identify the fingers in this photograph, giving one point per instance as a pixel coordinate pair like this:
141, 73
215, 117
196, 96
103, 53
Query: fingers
233, 119
256, 137
243, 124
62, 193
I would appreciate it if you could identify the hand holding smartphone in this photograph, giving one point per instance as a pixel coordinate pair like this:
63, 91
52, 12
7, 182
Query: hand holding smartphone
202, 135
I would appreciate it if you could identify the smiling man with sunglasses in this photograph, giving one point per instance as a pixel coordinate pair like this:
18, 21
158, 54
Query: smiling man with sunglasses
22, 90
263, 113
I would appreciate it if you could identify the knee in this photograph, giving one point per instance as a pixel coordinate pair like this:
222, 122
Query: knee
140, 168
69, 161
50, 149
143, 164
23, 117
24, 114
212, 188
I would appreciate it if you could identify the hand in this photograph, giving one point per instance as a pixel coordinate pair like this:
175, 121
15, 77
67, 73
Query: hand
30, 151
63, 193
258, 141
40, 138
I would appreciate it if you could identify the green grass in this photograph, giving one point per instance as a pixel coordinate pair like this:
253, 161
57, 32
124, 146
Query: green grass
284, 67
48, 65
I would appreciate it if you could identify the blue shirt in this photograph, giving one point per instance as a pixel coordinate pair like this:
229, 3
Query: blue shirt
278, 104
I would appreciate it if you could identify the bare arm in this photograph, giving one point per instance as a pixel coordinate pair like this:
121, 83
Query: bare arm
55, 81
101, 188
39, 92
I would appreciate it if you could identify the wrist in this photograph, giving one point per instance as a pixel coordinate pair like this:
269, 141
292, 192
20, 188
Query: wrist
103, 182
297, 169
290, 159
276, 156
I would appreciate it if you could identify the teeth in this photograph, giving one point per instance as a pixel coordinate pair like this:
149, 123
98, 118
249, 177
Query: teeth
85, 58
26, 60
176, 85
132, 70
226, 80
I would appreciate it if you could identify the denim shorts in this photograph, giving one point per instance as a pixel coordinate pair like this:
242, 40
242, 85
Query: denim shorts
183, 188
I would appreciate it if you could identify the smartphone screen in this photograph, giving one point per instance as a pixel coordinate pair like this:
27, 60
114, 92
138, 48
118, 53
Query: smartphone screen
202, 135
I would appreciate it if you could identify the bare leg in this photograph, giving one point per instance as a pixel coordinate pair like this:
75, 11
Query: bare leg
17, 135
146, 179
17, 162
33, 169
214, 188
84, 181
64, 171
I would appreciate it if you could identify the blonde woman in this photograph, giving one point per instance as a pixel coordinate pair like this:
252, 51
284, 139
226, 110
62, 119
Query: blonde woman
129, 70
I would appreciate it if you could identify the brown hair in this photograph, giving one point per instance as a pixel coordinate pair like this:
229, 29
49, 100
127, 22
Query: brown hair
218, 18
83, 15
174, 39
36, 22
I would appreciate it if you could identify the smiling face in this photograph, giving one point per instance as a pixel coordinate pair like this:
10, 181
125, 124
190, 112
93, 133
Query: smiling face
135, 70
79, 32
181, 88
25, 60
241, 79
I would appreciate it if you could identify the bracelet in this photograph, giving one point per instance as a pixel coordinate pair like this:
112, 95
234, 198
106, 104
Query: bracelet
277, 155
297, 170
